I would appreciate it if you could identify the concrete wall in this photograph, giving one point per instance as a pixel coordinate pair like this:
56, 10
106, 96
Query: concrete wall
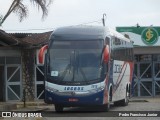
147, 50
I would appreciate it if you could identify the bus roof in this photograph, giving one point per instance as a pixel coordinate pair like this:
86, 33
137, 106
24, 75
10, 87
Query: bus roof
117, 34
87, 32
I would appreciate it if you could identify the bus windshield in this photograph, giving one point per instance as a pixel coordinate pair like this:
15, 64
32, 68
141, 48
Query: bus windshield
75, 61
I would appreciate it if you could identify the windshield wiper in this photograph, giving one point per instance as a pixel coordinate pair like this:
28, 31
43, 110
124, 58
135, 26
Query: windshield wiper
81, 70
68, 68
83, 74
65, 72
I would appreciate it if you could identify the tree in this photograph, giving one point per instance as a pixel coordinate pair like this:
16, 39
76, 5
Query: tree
21, 9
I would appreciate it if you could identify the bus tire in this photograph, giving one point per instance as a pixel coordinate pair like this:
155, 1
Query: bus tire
105, 108
125, 101
108, 105
117, 103
58, 108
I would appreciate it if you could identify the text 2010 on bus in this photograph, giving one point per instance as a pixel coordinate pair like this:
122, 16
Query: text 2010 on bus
87, 66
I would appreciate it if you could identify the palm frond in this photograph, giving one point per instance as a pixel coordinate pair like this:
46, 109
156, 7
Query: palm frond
43, 4
21, 10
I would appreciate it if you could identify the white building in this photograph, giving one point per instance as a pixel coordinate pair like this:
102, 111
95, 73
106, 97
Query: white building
147, 59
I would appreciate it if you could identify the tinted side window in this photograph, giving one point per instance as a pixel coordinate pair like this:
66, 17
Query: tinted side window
121, 50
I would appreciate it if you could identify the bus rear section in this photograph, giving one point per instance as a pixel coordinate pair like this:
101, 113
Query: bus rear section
79, 68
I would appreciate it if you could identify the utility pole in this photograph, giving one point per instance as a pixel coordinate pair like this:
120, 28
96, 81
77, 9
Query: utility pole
1, 17
103, 19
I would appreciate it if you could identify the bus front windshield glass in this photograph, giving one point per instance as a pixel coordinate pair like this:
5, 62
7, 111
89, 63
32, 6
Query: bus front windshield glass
75, 61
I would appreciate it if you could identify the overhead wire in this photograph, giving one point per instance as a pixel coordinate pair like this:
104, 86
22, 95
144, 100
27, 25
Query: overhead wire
38, 29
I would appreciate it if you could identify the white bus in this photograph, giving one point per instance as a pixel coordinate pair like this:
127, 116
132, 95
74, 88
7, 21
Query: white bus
87, 66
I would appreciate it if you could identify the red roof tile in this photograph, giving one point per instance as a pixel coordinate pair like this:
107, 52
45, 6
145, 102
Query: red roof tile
37, 39
24, 39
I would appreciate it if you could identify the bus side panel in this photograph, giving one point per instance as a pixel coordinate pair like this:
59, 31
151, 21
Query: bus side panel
121, 78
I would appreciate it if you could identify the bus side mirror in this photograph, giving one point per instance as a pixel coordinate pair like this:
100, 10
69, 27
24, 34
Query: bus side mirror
106, 54
41, 54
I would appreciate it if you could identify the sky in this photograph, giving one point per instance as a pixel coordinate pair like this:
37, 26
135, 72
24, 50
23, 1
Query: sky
84, 12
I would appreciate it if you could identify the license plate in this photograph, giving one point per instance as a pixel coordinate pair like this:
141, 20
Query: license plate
73, 100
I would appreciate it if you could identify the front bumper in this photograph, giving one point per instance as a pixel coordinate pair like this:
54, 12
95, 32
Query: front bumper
74, 99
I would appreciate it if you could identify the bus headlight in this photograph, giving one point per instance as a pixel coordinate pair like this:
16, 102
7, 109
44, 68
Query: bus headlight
96, 90
51, 89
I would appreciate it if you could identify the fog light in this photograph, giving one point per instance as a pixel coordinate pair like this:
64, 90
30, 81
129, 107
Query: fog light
97, 99
49, 98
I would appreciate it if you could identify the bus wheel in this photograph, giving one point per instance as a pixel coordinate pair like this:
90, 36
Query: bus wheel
117, 103
125, 101
58, 108
108, 105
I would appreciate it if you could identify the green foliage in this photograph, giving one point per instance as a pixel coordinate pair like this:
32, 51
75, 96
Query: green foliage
21, 10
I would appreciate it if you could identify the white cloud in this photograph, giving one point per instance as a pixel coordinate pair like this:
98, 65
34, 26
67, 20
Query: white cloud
4, 6
73, 12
